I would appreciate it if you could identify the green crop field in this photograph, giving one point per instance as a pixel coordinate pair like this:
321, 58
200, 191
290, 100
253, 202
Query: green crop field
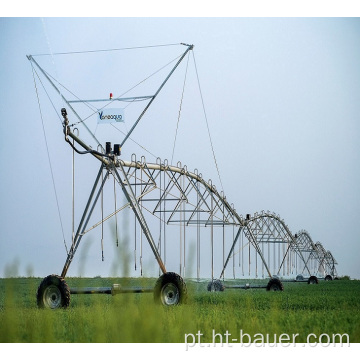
327, 308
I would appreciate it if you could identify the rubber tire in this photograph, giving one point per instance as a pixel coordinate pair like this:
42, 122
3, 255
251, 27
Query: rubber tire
170, 282
215, 285
328, 278
274, 285
299, 277
313, 280
53, 293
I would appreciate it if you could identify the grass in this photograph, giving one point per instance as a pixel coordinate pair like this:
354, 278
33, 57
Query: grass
329, 307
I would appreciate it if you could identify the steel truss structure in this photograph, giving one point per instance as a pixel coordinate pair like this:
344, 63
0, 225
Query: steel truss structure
176, 196
172, 195
320, 261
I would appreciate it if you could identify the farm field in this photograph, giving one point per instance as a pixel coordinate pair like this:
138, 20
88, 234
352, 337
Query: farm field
327, 308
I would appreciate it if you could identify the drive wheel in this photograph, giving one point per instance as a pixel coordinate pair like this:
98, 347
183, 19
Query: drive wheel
299, 278
328, 278
274, 285
313, 280
215, 285
53, 293
170, 289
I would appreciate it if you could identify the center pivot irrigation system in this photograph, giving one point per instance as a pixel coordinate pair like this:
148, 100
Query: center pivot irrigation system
160, 195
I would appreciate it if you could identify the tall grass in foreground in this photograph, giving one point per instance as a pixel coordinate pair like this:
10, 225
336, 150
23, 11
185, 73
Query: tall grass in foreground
330, 307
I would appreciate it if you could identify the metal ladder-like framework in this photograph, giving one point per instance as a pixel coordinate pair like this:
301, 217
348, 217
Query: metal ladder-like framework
177, 196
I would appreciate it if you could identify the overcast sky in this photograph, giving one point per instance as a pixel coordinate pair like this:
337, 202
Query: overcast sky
282, 99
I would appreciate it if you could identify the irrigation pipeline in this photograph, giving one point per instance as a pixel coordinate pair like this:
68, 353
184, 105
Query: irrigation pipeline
199, 203
185, 198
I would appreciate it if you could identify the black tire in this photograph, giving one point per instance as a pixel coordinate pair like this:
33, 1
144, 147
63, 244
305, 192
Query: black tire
53, 293
313, 280
215, 285
170, 289
274, 285
299, 277
328, 278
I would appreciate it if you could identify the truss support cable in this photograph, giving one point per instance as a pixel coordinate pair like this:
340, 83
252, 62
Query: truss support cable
106, 50
119, 98
47, 94
190, 47
84, 221
50, 49
49, 159
116, 222
30, 58
178, 120
207, 124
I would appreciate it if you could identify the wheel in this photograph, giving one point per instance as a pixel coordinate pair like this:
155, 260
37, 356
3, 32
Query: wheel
313, 280
274, 285
53, 293
299, 277
328, 278
215, 285
170, 289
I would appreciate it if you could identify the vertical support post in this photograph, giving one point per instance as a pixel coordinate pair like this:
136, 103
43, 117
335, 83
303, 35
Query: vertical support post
116, 223
160, 215
164, 219
135, 241
262, 265
212, 238
73, 198
242, 255
233, 256
223, 240
198, 257
249, 260
102, 219
184, 230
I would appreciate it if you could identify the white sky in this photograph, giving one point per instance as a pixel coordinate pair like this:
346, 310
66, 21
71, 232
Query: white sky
282, 101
